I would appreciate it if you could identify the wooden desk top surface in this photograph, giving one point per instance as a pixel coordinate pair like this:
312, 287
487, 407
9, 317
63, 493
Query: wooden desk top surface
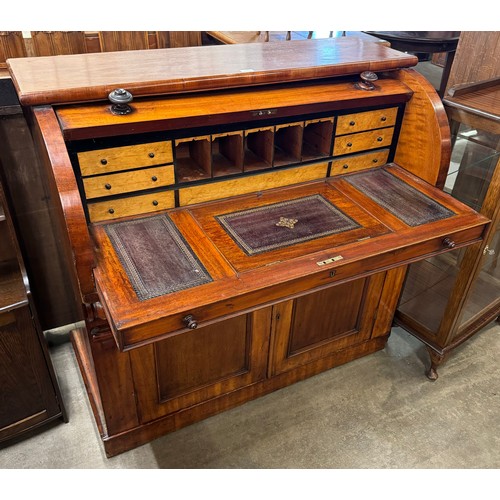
90, 77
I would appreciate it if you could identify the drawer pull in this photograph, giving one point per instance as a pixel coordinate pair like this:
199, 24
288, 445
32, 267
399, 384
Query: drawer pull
375, 160
380, 139
367, 79
111, 210
120, 99
190, 322
154, 178
352, 123
349, 144
345, 166
155, 203
151, 155
448, 243
104, 161
107, 186
383, 119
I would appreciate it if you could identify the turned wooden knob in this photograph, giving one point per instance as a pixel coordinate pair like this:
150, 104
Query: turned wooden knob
448, 243
190, 322
367, 79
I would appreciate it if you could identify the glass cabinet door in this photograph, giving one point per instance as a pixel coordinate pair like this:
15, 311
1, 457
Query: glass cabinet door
431, 284
485, 291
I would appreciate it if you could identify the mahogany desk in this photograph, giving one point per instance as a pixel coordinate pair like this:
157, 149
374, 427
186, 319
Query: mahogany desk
245, 224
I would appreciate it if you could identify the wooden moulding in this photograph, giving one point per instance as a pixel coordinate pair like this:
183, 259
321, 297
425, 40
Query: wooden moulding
90, 77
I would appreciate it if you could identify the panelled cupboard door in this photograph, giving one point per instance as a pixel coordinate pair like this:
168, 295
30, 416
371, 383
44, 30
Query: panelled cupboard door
319, 324
26, 394
201, 364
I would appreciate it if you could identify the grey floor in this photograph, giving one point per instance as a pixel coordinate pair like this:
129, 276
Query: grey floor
378, 412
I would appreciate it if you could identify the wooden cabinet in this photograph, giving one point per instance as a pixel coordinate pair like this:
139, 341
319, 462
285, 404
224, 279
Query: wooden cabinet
29, 392
449, 298
277, 243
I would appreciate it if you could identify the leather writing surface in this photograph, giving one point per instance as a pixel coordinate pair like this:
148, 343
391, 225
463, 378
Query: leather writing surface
286, 223
402, 200
155, 256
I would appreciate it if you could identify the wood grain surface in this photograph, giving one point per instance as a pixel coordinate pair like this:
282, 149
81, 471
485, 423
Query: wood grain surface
87, 77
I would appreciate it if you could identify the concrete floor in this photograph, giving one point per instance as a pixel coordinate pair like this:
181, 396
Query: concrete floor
378, 412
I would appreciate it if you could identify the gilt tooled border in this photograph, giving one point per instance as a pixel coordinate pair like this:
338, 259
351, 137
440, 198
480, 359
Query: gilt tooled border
224, 220
444, 212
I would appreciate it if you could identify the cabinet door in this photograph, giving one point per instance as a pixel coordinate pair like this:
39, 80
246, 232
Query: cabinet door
317, 325
201, 364
27, 397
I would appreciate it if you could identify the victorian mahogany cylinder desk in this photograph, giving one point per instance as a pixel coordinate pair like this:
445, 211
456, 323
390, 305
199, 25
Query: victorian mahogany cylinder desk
236, 218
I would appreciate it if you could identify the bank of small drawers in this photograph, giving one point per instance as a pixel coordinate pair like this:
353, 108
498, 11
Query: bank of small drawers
111, 172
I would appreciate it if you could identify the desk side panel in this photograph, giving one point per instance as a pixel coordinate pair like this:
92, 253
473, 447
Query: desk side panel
424, 146
72, 229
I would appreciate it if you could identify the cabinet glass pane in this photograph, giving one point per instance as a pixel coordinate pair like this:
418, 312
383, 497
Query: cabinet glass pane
428, 287
485, 291
474, 157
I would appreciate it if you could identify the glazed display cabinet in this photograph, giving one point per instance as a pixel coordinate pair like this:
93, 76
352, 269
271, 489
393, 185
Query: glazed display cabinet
450, 297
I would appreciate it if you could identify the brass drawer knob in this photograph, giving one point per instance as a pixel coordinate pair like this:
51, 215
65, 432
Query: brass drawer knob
449, 243
107, 186
190, 322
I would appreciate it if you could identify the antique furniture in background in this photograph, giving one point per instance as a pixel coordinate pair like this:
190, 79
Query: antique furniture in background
477, 58
237, 217
30, 395
449, 298
425, 42
230, 37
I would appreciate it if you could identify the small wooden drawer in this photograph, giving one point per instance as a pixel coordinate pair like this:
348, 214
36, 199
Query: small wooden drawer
103, 161
359, 162
353, 143
126, 182
368, 120
133, 205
